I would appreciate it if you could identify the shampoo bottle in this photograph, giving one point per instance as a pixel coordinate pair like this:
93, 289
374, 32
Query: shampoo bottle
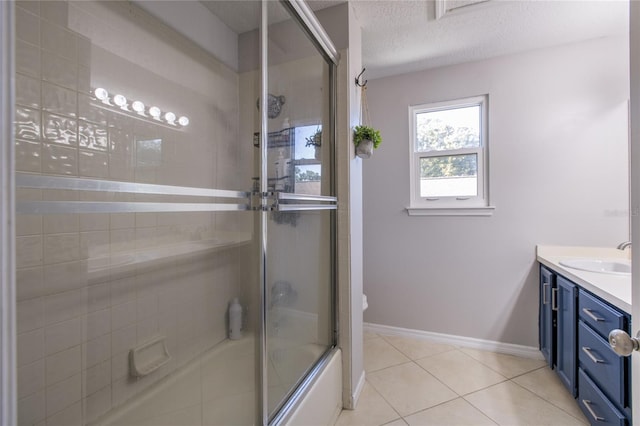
235, 320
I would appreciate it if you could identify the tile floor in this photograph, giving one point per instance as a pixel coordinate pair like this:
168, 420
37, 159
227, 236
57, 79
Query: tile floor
417, 382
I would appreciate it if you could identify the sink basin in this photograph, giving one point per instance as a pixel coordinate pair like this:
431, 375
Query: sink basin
604, 266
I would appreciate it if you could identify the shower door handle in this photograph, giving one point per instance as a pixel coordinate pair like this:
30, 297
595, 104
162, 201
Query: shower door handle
285, 201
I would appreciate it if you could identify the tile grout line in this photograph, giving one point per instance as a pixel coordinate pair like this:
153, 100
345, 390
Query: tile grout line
454, 348
545, 399
488, 366
444, 384
478, 408
506, 379
441, 382
458, 395
387, 367
382, 369
419, 366
385, 400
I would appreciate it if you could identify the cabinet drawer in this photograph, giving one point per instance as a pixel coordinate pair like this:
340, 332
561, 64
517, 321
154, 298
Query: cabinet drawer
603, 365
595, 405
599, 315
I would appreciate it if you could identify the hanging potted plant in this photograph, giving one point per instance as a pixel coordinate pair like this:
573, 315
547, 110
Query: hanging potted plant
366, 139
315, 141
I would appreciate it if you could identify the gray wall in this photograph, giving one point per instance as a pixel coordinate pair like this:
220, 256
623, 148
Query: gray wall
558, 149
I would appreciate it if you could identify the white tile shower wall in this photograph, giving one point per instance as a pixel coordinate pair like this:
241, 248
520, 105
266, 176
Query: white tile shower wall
78, 314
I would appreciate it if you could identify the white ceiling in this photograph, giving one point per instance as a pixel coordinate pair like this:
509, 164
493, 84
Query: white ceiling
400, 36
403, 36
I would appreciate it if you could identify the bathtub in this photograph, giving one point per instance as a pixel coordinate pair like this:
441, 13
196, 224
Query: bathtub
219, 388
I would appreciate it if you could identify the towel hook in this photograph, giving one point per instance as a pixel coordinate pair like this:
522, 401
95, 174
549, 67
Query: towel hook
358, 83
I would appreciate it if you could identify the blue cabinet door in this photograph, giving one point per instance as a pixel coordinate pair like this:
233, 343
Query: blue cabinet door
546, 320
567, 332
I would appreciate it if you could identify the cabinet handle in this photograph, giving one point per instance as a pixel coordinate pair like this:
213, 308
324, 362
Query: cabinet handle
544, 293
591, 315
554, 299
587, 405
587, 351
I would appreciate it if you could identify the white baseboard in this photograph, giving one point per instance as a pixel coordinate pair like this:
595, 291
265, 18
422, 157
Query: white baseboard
467, 342
358, 390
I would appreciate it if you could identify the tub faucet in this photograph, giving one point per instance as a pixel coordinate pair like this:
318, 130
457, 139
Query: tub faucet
624, 245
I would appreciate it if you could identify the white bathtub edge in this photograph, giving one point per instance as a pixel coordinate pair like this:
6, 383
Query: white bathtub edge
322, 403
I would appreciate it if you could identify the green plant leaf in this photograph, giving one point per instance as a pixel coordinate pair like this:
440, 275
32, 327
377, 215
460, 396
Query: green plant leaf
361, 133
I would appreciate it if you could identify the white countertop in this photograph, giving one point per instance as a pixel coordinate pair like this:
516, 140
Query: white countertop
615, 289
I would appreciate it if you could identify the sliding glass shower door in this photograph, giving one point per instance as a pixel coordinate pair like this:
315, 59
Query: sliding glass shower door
172, 159
300, 228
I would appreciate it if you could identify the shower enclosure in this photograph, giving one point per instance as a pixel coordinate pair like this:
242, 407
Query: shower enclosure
171, 157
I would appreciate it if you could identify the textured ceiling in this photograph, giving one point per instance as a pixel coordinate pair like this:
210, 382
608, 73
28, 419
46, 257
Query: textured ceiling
403, 36
400, 36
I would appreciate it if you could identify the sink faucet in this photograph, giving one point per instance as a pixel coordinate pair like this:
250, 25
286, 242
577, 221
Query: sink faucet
624, 245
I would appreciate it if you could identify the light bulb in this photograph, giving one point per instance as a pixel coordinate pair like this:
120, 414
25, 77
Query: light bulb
101, 94
138, 107
170, 117
155, 112
183, 121
120, 100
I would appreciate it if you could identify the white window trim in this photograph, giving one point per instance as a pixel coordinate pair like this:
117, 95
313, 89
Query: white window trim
450, 206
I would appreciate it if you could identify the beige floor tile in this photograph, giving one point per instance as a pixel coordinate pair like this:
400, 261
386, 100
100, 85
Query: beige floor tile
509, 404
453, 413
369, 335
507, 365
460, 372
398, 422
546, 384
409, 388
379, 354
372, 409
417, 348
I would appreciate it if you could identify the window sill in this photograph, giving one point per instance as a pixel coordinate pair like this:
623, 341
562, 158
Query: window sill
451, 211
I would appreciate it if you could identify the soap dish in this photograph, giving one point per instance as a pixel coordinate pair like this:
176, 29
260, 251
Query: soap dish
149, 356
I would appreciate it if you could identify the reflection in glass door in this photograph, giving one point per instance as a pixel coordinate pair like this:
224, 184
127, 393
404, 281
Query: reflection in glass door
134, 229
299, 243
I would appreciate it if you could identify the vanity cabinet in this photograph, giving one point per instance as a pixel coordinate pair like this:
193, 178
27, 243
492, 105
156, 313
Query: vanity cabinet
574, 326
602, 372
558, 326
547, 326
566, 302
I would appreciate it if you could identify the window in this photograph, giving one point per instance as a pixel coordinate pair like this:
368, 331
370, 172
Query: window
449, 158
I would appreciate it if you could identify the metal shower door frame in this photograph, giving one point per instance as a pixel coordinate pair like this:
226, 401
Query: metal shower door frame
8, 333
302, 14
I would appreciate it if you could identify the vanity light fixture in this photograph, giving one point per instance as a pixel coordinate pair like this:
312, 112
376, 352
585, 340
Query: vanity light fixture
155, 112
139, 108
101, 94
121, 101
170, 117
